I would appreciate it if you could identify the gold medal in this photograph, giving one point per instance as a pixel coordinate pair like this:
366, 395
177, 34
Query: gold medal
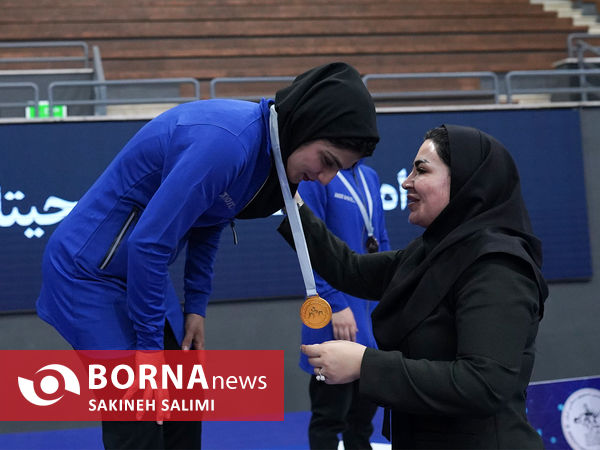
315, 312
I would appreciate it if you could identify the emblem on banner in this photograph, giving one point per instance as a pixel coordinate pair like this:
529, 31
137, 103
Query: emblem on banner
580, 419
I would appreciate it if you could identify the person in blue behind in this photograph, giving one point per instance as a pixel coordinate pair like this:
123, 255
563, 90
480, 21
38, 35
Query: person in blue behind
177, 183
351, 207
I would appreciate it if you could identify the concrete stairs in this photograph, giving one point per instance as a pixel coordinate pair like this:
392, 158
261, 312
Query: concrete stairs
581, 16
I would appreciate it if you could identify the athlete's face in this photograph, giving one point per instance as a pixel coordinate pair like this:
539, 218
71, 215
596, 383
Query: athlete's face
318, 161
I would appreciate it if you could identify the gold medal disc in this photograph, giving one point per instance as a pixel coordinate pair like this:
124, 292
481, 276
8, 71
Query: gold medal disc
315, 312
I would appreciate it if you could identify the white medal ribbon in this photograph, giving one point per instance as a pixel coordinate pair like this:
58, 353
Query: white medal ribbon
292, 210
367, 218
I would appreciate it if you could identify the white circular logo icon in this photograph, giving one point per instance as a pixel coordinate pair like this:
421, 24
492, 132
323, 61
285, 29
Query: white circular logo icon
49, 385
580, 419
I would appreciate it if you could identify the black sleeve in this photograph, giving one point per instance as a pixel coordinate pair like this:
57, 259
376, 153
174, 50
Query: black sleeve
496, 316
361, 275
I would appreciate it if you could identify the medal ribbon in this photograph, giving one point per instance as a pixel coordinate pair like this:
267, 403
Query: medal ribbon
292, 210
367, 218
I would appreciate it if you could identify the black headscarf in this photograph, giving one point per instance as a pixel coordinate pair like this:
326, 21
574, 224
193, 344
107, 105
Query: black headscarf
329, 101
485, 214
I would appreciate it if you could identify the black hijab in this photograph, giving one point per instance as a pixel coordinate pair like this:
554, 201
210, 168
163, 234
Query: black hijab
329, 101
486, 214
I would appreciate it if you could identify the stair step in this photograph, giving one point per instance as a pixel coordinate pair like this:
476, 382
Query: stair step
565, 9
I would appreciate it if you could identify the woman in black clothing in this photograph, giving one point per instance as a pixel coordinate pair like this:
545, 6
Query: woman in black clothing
459, 307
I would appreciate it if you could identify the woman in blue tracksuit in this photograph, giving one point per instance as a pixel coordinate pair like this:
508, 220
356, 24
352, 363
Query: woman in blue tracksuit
339, 408
179, 181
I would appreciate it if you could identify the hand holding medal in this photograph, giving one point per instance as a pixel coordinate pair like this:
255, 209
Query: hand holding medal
315, 311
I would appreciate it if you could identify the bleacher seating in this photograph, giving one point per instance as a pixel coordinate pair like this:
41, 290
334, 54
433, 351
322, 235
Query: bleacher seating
595, 3
242, 38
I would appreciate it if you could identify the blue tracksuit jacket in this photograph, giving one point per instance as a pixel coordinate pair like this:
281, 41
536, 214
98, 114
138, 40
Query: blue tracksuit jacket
336, 207
178, 181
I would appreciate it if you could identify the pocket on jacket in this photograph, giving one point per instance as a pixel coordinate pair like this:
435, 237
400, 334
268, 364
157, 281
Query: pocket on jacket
119, 238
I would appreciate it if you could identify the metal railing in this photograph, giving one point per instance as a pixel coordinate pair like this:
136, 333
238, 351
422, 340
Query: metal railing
53, 87
243, 80
444, 93
577, 46
576, 40
37, 59
580, 85
21, 85
581, 82
584, 87
99, 91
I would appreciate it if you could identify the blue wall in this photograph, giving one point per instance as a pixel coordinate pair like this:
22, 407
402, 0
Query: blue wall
61, 160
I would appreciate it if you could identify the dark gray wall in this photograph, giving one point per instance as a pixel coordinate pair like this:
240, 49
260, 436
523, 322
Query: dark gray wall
567, 341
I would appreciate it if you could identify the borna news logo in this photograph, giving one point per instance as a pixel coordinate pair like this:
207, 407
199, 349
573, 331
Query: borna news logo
125, 385
52, 387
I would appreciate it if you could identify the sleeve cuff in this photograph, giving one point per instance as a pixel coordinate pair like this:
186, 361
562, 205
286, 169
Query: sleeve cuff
336, 300
197, 306
374, 363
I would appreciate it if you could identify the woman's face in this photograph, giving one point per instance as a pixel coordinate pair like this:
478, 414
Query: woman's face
318, 161
428, 186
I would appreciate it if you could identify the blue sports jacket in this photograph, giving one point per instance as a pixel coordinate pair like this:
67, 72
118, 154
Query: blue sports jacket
335, 205
177, 182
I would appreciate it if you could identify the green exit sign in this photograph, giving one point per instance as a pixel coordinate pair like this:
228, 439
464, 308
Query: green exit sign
43, 111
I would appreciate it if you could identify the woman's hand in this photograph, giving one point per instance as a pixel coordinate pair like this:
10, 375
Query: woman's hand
157, 396
194, 332
338, 361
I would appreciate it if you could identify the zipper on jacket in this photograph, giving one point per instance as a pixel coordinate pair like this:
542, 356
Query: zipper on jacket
235, 237
115, 245
254, 196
